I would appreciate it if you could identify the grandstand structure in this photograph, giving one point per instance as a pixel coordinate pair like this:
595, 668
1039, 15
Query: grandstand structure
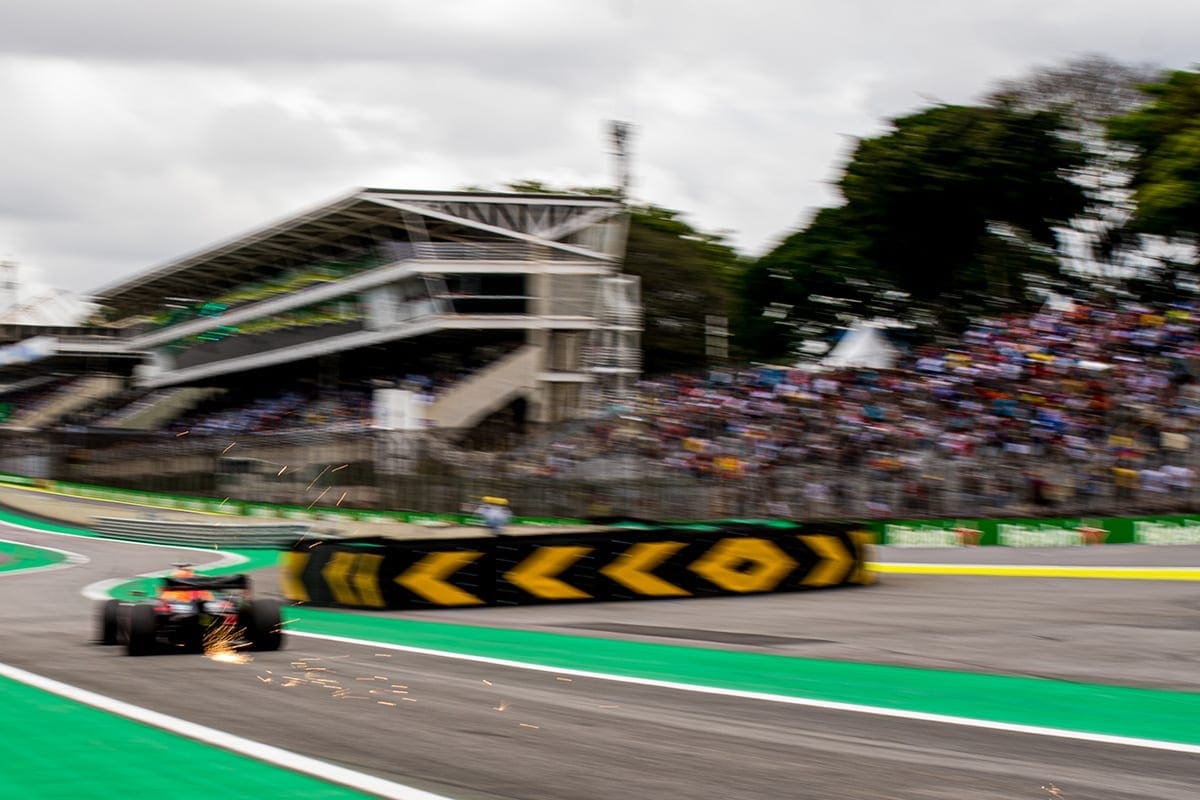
522, 293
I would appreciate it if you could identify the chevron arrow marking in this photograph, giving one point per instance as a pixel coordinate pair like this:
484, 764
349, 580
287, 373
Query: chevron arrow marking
634, 569
861, 573
365, 579
835, 564
536, 573
337, 577
428, 578
291, 576
742, 565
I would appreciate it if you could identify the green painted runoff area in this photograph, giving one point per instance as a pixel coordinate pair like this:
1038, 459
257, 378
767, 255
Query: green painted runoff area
68, 749
15, 556
255, 559
54, 747
1094, 708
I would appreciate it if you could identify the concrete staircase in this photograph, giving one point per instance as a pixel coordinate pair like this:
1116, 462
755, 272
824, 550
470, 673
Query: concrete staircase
68, 398
159, 408
490, 389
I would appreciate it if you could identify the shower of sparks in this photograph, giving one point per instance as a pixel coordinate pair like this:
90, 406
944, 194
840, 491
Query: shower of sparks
383, 655
303, 673
502, 707
342, 467
527, 725
182, 433
220, 644
314, 480
230, 447
223, 502
322, 494
485, 680
1053, 791
565, 680
281, 470
343, 497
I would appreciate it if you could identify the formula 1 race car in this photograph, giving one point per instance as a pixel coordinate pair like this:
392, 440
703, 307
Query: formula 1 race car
193, 613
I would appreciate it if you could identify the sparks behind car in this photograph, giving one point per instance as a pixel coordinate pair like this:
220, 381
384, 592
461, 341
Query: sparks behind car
191, 611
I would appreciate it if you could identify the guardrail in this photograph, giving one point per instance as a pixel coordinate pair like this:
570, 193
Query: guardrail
202, 534
293, 514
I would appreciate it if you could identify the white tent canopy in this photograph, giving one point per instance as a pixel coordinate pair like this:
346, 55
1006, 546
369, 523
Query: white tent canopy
1059, 303
862, 347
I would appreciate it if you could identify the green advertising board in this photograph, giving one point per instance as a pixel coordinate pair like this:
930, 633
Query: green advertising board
1032, 532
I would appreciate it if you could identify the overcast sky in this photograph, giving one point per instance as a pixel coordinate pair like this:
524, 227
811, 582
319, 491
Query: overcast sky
133, 132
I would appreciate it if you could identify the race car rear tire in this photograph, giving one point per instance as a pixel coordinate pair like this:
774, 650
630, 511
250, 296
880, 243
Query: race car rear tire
264, 624
192, 637
141, 630
109, 618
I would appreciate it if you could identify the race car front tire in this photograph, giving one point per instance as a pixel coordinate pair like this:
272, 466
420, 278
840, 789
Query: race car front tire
109, 619
141, 630
264, 624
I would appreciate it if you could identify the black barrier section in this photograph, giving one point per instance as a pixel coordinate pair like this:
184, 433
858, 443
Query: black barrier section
384, 573
649, 561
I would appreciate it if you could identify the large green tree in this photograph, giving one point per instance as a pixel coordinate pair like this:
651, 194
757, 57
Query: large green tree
1166, 169
686, 275
946, 186
803, 283
953, 208
1088, 92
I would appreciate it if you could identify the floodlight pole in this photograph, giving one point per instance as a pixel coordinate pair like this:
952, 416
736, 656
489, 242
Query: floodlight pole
619, 133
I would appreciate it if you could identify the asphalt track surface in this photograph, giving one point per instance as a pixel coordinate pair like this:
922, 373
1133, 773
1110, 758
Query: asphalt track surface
471, 730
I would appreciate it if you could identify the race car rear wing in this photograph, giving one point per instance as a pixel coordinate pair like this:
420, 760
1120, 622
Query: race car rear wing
213, 583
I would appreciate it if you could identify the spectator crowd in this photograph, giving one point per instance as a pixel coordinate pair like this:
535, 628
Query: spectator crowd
1075, 403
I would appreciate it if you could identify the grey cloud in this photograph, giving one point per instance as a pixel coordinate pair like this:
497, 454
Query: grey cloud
529, 41
138, 131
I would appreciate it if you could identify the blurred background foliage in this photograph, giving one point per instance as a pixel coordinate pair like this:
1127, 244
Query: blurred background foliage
1081, 178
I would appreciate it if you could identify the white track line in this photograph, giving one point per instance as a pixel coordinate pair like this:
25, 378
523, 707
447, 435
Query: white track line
73, 560
226, 557
95, 592
226, 741
1035, 730
99, 590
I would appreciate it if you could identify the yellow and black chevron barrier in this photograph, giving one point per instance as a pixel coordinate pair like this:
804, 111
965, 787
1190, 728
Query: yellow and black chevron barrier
648, 562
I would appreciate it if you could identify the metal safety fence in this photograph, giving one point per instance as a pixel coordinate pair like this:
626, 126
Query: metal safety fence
362, 468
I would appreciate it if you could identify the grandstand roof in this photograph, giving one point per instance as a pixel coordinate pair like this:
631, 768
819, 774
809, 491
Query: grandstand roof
356, 222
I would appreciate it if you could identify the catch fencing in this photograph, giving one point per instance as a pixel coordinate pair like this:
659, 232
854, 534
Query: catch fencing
361, 468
